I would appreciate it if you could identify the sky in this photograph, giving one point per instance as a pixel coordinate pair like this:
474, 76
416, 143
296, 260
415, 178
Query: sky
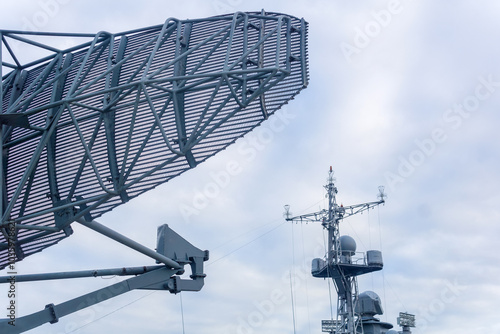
402, 94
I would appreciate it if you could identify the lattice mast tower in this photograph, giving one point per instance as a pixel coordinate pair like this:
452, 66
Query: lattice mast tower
341, 264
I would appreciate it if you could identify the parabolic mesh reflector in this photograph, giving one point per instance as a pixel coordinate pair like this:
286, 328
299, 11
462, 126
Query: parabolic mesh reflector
87, 128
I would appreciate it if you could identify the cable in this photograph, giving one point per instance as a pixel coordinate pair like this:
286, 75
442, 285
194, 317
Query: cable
212, 262
243, 234
292, 282
293, 306
307, 290
136, 300
104, 316
182, 313
246, 244
384, 281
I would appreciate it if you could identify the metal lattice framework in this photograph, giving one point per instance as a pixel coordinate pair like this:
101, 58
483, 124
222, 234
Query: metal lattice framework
85, 129
339, 265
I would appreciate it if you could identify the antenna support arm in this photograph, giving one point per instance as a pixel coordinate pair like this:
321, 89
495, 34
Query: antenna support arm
52, 312
170, 245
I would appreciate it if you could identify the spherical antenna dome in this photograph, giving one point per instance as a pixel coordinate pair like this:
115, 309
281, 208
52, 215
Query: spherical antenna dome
347, 245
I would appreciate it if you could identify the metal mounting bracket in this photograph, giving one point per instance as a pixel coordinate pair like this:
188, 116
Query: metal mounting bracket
171, 246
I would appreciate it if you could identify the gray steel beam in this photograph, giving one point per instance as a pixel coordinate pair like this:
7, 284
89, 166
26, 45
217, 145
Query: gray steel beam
52, 313
12, 54
57, 93
31, 166
96, 46
108, 114
129, 242
181, 47
260, 64
81, 274
85, 157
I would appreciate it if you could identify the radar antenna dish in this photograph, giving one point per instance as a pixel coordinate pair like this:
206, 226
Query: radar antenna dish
85, 129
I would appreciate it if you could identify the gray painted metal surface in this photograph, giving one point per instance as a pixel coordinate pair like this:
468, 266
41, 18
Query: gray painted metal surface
85, 129
164, 278
338, 264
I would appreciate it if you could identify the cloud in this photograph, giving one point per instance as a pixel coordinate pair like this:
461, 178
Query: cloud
365, 117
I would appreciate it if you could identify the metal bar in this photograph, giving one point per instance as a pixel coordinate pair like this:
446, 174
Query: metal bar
124, 174
262, 89
39, 81
52, 209
260, 64
234, 23
152, 171
232, 90
303, 48
82, 273
109, 116
52, 312
199, 136
41, 33
31, 166
181, 46
33, 237
85, 157
59, 126
254, 47
278, 40
210, 52
191, 50
89, 154
10, 51
93, 225
288, 35
57, 92
210, 19
28, 41
29, 184
6, 82
158, 121
78, 78
118, 64
244, 61
72, 99
37, 228
17, 82
159, 42
99, 50
9, 65
144, 142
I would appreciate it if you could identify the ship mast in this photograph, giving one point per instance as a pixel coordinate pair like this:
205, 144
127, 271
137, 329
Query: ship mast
339, 264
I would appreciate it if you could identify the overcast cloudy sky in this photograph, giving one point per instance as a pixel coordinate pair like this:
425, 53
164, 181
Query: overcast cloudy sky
402, 94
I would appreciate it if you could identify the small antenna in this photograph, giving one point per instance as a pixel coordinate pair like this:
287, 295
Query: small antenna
381, 193
406, 321
287, 213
